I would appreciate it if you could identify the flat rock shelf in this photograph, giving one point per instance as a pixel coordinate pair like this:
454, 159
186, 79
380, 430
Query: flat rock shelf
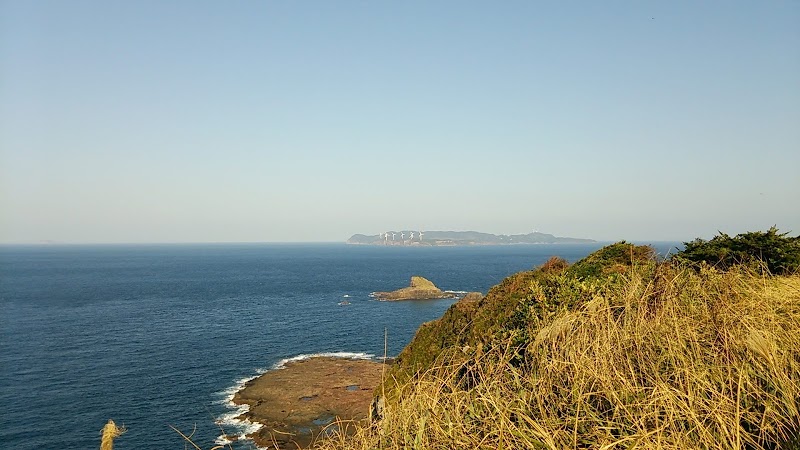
303, 400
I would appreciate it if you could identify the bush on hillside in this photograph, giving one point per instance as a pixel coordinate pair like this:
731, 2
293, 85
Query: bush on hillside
555, 264
778, 252
613, 259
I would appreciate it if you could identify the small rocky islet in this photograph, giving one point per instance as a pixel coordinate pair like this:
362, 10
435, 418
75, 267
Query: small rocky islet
419, 289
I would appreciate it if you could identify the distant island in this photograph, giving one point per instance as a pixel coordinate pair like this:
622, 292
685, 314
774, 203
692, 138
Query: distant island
453, 238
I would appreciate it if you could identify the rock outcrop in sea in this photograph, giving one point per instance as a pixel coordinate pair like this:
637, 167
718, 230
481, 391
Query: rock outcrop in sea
419, 289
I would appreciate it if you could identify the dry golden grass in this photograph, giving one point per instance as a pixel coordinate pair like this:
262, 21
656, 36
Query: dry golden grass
190, 442
665, 358
110, 432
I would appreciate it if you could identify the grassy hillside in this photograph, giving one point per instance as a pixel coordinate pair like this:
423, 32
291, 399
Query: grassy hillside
616, 351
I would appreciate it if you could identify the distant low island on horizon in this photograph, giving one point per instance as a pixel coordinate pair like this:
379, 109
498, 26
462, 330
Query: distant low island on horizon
458, 238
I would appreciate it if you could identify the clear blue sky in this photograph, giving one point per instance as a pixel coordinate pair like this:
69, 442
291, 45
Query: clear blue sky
185, 121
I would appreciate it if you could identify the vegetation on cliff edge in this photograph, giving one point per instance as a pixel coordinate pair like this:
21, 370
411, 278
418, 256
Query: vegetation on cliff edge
618, 350
775, 251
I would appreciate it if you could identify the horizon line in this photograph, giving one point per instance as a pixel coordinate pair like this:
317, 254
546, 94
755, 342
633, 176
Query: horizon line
344, 242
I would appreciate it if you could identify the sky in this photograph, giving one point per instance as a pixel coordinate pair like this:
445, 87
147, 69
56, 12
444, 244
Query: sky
276, 121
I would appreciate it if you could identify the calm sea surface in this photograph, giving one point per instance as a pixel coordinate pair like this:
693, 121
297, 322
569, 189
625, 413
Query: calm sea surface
158, 335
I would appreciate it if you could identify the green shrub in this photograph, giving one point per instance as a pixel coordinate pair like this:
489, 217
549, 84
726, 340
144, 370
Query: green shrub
779, 253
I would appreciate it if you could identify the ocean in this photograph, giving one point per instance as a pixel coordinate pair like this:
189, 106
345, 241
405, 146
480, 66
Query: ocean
158, 335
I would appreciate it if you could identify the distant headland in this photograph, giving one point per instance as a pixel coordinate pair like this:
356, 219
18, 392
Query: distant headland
453, 238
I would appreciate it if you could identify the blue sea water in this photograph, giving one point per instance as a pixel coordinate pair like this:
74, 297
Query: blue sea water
159, 335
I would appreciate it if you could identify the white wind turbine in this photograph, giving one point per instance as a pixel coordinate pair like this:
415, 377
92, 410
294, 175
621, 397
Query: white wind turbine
402, 236
393, 235
412, 236
420, 235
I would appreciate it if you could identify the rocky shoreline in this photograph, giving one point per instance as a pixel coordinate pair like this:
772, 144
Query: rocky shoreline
303, 400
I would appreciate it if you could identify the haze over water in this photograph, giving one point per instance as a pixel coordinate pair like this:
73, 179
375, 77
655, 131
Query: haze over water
201, 121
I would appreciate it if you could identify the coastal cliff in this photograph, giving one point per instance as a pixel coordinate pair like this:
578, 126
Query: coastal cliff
616, 347
511, 305
619, 346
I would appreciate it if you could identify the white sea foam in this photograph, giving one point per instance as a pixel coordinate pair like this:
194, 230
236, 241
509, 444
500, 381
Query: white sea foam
232, 422
457, 292
243, 427
227, 394
344, 355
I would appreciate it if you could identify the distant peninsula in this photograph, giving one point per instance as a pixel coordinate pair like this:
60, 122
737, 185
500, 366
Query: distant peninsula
454, 238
